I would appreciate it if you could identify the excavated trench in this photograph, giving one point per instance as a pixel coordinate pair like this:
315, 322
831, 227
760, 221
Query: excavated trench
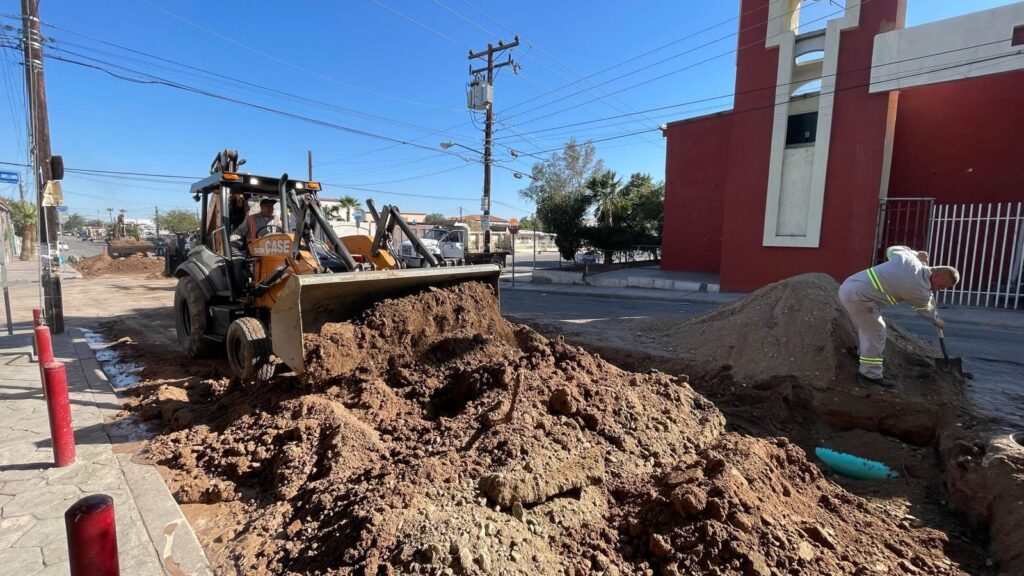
431, 435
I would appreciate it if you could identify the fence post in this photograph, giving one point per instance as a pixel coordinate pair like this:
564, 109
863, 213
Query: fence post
59, 410
92, 536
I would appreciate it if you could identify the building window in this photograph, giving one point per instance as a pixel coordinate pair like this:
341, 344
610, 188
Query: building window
802, 129
1018, 36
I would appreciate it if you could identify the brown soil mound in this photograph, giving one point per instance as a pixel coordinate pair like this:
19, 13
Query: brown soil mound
795, 327
787, 355
434, 437
103, 264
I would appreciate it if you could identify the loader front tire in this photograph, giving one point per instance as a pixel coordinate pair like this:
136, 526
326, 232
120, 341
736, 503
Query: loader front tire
249, 350
190, 320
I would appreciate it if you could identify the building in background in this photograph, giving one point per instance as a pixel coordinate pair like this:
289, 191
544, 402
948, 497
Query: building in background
831, 124
11, 247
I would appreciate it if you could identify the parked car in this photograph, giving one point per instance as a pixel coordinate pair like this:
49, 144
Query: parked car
63, 245
588, 257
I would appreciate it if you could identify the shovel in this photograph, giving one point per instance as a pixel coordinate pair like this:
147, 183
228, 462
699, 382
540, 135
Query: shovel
952, 365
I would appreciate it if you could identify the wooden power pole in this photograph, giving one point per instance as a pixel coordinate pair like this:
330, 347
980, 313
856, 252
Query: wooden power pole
487, 100
53, 309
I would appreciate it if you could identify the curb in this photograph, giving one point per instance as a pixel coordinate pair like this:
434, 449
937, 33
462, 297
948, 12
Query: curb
174, 541
720, 298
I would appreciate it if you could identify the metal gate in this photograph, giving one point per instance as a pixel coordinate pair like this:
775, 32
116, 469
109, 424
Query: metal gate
902, 222
984, 242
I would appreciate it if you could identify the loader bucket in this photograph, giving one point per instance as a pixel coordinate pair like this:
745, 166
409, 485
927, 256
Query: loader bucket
309, 301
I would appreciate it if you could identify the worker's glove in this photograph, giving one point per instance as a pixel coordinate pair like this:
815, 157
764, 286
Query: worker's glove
939, 324
235, 238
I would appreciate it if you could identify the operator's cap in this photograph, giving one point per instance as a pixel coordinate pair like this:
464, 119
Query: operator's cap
268, 201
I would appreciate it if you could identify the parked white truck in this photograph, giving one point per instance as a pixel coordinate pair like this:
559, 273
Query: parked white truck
458, 245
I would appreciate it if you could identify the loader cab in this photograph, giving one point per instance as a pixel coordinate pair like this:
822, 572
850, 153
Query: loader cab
226, 200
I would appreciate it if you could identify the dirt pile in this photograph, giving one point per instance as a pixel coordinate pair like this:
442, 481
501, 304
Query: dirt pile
434, 437
787, 356
103, 265
795, 327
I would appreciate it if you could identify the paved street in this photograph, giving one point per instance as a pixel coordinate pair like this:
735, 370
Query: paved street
81, 248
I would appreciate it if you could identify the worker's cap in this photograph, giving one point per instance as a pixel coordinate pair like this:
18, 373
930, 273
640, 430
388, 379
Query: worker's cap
268, 201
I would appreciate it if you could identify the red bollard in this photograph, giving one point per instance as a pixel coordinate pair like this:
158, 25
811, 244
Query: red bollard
37, 318
59, 410
44, 351
92, 536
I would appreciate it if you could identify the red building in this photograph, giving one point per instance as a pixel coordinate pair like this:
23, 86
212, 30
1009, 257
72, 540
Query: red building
825, 124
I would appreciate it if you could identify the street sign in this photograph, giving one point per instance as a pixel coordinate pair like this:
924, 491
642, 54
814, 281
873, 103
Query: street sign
10, 177
358, 215
62, 208
513, 226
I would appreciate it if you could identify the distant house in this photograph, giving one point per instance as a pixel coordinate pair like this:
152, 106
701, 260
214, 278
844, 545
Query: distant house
498, 224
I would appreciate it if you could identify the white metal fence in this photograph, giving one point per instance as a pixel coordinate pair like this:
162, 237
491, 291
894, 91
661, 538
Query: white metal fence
985, 242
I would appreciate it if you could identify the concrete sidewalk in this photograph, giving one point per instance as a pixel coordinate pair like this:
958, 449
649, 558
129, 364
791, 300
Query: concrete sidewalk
153, 535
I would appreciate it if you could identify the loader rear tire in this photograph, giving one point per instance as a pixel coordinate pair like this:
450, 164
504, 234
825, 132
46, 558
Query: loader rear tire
249, 350
190, 320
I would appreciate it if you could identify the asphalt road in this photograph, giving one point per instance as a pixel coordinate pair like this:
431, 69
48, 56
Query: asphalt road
566, 307
991, 352
81, 248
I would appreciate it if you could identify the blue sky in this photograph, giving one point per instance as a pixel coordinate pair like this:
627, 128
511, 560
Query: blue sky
396, 69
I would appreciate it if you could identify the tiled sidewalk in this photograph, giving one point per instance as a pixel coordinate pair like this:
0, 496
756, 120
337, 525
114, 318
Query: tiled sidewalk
153, 536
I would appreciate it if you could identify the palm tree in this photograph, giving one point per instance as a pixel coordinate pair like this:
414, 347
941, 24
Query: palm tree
348, 203
606, 190
24, 215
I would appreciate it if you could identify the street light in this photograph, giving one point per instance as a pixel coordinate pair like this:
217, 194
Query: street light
447, 145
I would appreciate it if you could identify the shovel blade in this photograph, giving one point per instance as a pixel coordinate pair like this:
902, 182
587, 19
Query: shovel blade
951, 365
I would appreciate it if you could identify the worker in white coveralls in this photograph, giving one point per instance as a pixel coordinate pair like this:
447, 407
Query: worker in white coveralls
904, 277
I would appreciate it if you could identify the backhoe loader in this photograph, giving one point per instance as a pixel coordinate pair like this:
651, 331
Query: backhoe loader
253, 301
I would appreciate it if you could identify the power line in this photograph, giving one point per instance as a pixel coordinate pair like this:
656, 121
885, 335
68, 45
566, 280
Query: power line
670, 73
115, 173
421, 24
527, 55
763, 88
773, 105
289, 64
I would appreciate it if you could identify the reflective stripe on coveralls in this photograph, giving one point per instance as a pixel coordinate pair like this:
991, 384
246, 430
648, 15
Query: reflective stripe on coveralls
878, 285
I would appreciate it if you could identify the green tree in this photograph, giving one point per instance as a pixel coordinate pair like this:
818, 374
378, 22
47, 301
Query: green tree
74, 222
606, 191
436, 219
528, 222
639, 216
565, 173
180, 221
348, 203
23, 213
558, 187
563, 214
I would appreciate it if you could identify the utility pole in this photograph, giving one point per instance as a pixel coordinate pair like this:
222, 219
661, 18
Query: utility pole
53, 308
485, 98
156, 221
309, 161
